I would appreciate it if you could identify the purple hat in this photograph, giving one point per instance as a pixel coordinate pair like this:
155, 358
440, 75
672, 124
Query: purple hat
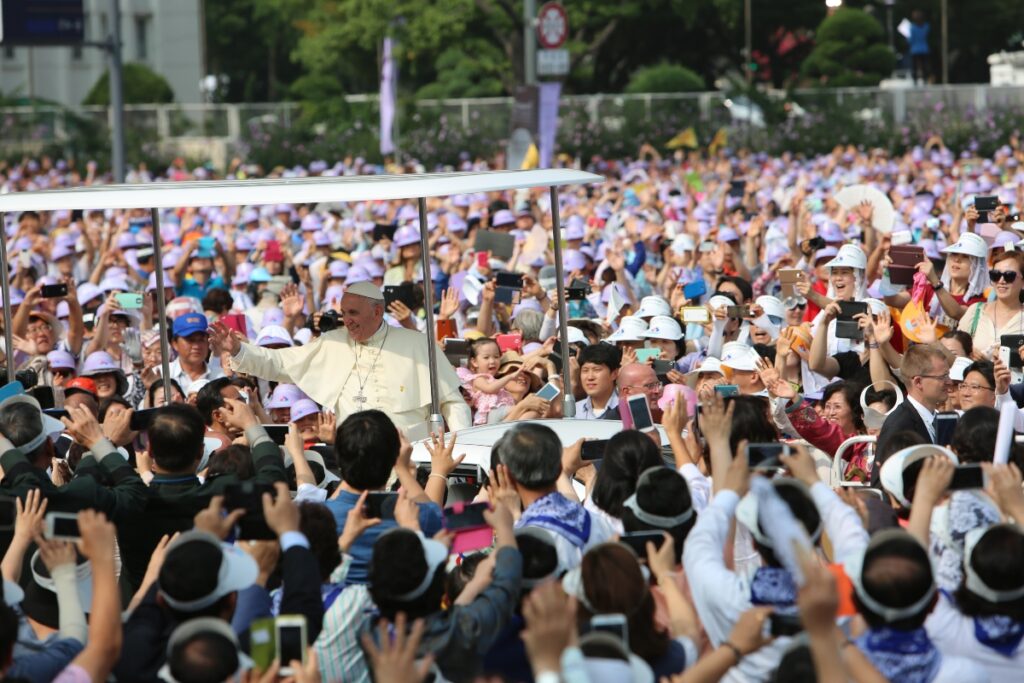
503, 217
168, 281
116, 282
102, 363
284, 396
189, 324
357, 273
126, 240
243, 243
460, 200
574, 260
406, 236
321, 239
456, 224
62, 251
827, 252
87, 291
312, 222
272, 316
249, 216
337, 269
407, 213
373, 269
727, 235
303, 408
335, 292
61, 359
831, 232
574, 232
63, 310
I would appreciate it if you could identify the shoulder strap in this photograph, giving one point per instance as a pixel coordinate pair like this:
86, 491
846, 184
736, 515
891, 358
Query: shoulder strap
977, 314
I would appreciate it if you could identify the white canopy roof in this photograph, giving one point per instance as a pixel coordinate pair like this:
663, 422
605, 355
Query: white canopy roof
287, 190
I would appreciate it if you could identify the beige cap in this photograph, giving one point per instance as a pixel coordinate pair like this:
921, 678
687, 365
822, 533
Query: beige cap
367, 289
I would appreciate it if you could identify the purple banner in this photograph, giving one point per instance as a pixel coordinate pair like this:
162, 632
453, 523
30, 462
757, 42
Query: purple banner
547, 120
388, 82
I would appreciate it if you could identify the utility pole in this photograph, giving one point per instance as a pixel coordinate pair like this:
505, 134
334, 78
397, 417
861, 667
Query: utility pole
748, 55
116, 93
529, 42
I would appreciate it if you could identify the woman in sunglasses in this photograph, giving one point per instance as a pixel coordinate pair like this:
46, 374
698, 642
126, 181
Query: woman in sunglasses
986, 322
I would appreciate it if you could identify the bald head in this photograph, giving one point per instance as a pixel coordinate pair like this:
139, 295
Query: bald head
639, 378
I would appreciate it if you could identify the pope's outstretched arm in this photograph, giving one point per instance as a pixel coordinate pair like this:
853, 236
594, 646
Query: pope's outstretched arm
456, 413
269, 364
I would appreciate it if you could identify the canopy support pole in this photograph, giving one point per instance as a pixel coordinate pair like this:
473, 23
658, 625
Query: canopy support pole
436, 421
6, 287
568, 401
161, 307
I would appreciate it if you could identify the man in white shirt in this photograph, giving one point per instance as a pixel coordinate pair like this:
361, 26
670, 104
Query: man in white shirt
599, 368
191, 341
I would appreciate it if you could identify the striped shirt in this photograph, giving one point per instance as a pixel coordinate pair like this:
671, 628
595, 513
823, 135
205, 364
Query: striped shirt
338, 650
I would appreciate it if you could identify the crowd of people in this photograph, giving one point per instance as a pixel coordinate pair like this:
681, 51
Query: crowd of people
818, 495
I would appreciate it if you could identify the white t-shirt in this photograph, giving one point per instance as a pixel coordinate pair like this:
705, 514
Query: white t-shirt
953, 634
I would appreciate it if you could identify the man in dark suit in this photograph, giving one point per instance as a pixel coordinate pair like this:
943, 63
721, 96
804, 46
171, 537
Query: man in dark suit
925, 371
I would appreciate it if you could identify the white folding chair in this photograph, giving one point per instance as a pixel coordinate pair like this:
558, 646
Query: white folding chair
838, 462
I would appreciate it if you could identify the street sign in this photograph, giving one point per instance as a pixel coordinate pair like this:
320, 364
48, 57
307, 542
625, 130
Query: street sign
552, 25
41, 22
553, 62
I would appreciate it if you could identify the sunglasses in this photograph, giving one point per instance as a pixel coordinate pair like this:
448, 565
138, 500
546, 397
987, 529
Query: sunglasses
1008, 276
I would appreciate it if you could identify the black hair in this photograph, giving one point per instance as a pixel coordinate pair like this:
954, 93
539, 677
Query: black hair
176, 437
965, 340
665, 493
886, 396
897, 442
974, 439
20, 423
190, 572
540, 558
105, 404
896, 574
206, 657
218, 300
751, 421
996, 560
159, 386
626, 456
318, 525
851, 393
745, 289
607, 355
765, 351
532, 453
803, 508
473, 346
986, 369
796, 666
457, 579
208, 399
367, 446
389, 578
236, 459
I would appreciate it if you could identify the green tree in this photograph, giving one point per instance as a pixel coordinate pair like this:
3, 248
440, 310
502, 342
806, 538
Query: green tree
665, 78
850, 51
473, 68
142, 85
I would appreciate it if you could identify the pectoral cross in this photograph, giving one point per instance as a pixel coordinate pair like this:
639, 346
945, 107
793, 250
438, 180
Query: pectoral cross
360, 399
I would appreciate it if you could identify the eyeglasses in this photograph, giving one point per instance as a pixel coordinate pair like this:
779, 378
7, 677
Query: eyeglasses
650, 386
941, 378
974, 387
1007, 276
37, 329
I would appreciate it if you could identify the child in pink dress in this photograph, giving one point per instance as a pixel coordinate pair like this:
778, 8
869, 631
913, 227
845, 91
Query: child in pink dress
485, 392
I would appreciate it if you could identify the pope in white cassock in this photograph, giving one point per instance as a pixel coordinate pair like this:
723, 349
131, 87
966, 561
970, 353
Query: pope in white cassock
365, 364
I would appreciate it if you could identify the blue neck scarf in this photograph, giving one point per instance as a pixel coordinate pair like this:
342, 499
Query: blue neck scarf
774, 586
559, 515
999, 633
905, 656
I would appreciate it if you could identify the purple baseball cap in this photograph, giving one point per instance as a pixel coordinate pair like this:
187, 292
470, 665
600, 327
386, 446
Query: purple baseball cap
284, 396
502, 218
406, 236
303, 408
61, 359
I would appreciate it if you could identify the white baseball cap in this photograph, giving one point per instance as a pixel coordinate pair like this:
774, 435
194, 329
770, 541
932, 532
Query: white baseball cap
970, 244
849, 256
710, 366
891, 474
958, 371
739, 356
664, 327
651, 306
630, 329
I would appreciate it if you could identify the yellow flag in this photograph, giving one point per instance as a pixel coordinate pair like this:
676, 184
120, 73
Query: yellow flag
719, 141
686, 138
532, 158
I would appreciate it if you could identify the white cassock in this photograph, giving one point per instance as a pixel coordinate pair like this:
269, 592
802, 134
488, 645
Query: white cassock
388, 372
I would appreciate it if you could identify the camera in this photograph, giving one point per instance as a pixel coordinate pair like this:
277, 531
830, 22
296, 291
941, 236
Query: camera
28, 377
329, 320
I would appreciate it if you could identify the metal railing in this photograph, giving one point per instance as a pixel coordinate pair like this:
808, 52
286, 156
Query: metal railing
607, 112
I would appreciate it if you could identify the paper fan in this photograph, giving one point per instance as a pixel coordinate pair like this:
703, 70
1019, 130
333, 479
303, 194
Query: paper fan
884, 215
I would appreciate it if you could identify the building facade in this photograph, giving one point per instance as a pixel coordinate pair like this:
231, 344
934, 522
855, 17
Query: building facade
165, 35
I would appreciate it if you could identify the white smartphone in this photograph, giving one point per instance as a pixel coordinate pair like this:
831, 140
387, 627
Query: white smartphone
1004, 355
696, 314
62, 526
901, 237
290, 639
640, 411
548, 392
615, 624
